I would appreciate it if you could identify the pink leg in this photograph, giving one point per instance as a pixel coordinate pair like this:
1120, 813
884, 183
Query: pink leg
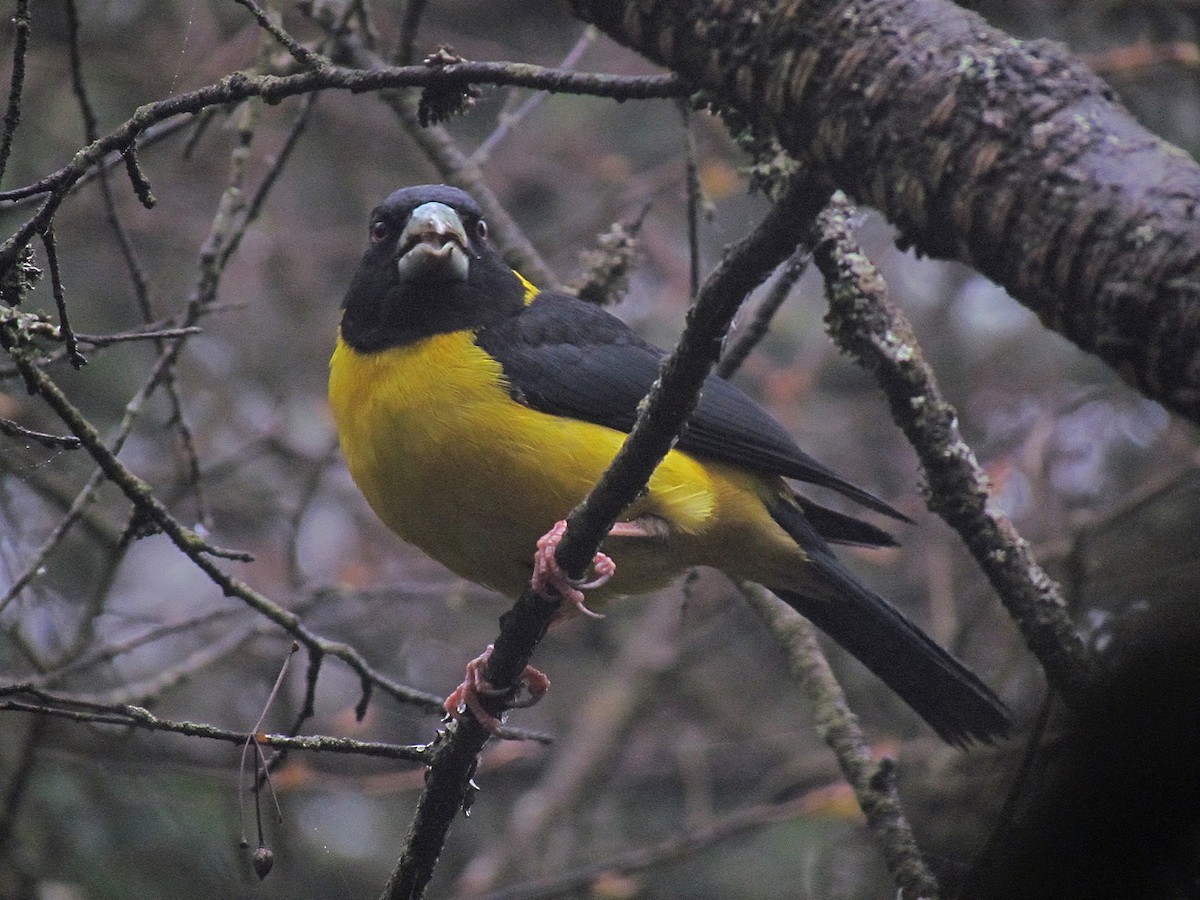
548, 575
466, 695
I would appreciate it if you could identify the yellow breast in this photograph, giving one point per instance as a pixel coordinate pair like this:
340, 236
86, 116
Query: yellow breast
451, 463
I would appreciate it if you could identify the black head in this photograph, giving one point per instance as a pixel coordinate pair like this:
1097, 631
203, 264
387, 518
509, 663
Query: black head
428, 269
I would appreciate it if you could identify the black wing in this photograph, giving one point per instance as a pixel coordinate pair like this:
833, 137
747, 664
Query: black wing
570, 358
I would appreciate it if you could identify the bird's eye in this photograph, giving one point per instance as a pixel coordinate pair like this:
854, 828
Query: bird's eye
481, 229
379, 231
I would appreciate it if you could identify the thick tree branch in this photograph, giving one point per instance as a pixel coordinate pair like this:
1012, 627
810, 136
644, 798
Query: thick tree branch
1008, 155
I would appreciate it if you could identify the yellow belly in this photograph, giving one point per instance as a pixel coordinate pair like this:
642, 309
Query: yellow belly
453, 465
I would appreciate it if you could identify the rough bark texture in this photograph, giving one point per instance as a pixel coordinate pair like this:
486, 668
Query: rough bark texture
1007, 155
864, 323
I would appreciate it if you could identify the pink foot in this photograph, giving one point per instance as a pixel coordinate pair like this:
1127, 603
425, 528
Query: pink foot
547, 574
466, 695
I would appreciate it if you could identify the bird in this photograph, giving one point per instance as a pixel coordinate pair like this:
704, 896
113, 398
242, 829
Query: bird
474, 411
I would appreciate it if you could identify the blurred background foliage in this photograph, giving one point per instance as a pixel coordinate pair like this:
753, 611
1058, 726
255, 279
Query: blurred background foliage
674, 711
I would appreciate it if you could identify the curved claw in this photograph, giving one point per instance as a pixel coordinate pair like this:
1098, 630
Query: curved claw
466, 695
548, 575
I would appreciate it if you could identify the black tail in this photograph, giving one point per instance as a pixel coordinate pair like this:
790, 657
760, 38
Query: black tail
943, 691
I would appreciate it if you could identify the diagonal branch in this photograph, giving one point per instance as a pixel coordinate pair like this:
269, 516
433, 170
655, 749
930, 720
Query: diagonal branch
16, 85
199, 551
873, 781
448, 783
866, 325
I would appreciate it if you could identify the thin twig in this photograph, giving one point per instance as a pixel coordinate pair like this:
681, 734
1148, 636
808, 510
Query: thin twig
137, 178
746, 339
60, 300
200, 551
634, 680
141, 284
46, 704
145, 691
406, 42
510, 119
310, 59
240, 86
254, 208
16, 84
91, 129
112, 651
148, 332
873, 780
49, 441
309, 484
87, 493
29, 194
19, 778
37, 561
261, 764
695, 199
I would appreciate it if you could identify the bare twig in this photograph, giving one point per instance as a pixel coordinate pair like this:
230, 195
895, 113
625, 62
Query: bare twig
695, 199
745, 340
112, 651
18, 781
29, 194
584, 759
46, 704
873, 780
406, 43
149, 332
141, 284
60, 301
37, 561
262, 766
16, 84
309, 484
201, 552
254, 208
308, 58
273, 88
605, 276
509, 119
49, 441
